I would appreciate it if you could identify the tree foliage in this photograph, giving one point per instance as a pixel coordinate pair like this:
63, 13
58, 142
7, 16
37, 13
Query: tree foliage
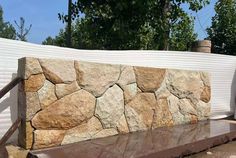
6, 29
134, 24
222, 33
22, 31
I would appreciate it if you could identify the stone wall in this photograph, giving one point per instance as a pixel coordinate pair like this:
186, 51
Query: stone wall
62, 102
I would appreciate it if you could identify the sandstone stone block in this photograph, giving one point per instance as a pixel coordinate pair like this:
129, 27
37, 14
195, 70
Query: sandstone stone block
185, 84
127, 76
34, 83
67, 112
32, 104
186, 107
203, 110
96, 78
110, 107
122, 125
47, 138
28, 66
149, 79
65, 89
134, 120
206, 94
140, 111
106, 133
47, 94
82, 132
58, 71
162, 115
130, 91
25, 137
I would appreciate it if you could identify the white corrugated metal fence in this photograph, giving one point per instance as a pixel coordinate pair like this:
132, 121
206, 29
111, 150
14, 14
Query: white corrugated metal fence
221, 67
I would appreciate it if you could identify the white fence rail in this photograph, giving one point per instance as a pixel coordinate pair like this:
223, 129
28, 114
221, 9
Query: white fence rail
222, 69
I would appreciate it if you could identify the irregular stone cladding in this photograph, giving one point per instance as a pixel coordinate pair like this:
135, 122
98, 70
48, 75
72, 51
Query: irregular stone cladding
62, 102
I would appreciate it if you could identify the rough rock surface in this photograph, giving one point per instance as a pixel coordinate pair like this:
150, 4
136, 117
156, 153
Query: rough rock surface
34, 83
67, 112
96, 78
206, 94
82, 132
110, 107
63, 102
149, 79
106, 133
130, 92
185, 84
127, 76
47, 94
47, 138
162, 115
25, 137
140, 111
32, 104
203, 110
122, 125
28, 66
65, 89
177, 116
58, 71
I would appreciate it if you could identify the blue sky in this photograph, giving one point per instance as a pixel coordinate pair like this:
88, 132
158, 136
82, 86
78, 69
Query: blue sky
42, 14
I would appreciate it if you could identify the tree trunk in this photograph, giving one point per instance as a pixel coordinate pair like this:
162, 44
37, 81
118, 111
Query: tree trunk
68, 38
165, 8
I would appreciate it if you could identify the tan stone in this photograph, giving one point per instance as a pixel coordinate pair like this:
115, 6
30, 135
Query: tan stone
47, 94
143, 106
206, 94
203, 110
28, 66
177, 116
34, 83
122, 125
82, 132
186, 107
130, 92
162, 92
110, 107
96, 78
15, 152
106, 133
32, 105
149, 79
47, 138
58, 71
25, 137
65, 89
185, 84
134, 120
205, 78
162, 116
127, 76
67, 112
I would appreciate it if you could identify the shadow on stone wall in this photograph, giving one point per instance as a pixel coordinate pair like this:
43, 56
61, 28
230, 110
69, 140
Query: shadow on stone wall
11, 101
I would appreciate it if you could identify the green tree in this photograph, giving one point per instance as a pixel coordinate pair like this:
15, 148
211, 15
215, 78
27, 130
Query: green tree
222, 33
6, 29
135, 24
22, 31
182, 35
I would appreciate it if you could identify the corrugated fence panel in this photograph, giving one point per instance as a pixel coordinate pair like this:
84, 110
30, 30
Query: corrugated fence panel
221, 67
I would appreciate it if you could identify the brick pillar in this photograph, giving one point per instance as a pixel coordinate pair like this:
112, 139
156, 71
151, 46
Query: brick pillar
201, 46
